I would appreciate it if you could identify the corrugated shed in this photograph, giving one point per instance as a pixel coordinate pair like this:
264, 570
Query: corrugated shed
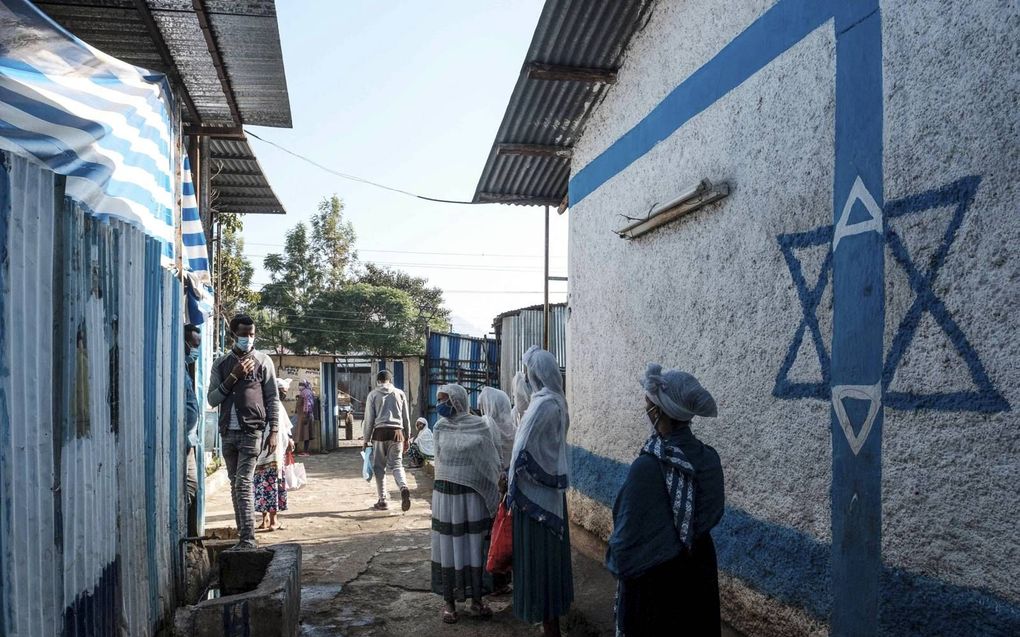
588, 34
94, 488
464, 360
519, 330
246, 36
238, 183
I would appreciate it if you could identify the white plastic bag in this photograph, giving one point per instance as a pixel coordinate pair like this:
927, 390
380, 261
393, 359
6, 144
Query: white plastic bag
366, 466
294, 475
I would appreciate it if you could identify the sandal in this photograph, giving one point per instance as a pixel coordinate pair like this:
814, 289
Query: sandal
450, 617
481, 611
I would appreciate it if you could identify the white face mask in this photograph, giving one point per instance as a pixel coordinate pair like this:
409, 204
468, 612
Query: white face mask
245, 343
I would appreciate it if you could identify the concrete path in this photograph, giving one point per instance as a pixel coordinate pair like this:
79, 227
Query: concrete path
365, 572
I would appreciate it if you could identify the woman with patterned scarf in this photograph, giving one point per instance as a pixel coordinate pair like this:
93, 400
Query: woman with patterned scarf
465, 496
661, 551
539, 476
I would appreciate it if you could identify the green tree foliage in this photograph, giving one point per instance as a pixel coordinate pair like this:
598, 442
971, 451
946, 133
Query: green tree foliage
363, 318
428, 301
316, 302
234, 292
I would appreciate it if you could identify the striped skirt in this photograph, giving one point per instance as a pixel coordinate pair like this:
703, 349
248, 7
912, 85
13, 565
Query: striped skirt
460, 542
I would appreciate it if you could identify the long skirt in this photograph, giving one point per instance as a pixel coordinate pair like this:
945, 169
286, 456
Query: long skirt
678, 597
270, 489
543, 577
460, 542
305, 430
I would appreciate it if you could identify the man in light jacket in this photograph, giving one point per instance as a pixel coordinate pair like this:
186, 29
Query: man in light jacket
387, 427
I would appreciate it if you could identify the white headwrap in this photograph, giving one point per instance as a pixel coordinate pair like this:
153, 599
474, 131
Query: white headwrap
495, 406
465, 449
677, 393
522, 395
540, 467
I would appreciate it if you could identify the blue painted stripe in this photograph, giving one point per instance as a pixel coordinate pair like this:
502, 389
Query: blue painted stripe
152, 322
6, 618
794, 568
780, 28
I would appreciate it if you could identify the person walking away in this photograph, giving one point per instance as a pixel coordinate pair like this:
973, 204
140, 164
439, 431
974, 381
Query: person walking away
305, 415
243, 386
270, 486
192, 412
464, 500
661, 549
495, 407
387, 427
538, 481
522, 396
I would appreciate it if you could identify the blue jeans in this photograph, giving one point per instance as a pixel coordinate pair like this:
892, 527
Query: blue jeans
240, 451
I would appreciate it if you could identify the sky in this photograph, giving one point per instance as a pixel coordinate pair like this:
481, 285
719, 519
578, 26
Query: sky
409, 94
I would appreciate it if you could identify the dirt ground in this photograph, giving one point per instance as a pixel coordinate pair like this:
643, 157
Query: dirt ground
365, 572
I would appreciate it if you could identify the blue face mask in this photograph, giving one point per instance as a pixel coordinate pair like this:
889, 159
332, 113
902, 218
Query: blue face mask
193, 356
244, 343
445, 409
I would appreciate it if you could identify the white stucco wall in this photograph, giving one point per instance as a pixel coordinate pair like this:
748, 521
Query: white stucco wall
714, 295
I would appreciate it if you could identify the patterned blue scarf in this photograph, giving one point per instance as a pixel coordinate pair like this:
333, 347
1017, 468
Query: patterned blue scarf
679, 476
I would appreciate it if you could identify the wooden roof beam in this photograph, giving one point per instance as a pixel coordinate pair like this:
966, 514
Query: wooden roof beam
214, 51
168, 59
534, 150
562, 73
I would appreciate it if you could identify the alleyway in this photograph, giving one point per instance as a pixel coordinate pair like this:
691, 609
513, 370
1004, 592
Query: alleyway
364, 572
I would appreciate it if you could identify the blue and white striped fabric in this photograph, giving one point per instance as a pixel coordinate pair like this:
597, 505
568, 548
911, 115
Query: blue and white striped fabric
101, 122
196, 257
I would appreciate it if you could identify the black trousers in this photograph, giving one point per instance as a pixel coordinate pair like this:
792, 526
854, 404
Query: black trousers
678, 597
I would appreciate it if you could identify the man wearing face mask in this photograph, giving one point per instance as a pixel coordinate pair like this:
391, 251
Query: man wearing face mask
387, 427
192, 412
243, 385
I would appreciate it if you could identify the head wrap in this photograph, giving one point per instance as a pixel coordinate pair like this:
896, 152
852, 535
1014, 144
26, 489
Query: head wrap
465, 449
495, 406
677, 393
540, 466
422, 421
284, 383
522, 395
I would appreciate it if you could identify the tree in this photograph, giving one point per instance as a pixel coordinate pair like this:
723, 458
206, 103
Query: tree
312, 263
430, 312
363, 318
333, 243
234, 293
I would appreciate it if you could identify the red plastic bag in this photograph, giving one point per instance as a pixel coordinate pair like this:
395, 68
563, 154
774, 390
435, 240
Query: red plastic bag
501, 546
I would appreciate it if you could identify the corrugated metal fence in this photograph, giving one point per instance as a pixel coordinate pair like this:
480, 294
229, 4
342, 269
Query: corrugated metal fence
452, 358
524, 328
91, 408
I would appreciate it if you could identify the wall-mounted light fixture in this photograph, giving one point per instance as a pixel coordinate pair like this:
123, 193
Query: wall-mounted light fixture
701, 194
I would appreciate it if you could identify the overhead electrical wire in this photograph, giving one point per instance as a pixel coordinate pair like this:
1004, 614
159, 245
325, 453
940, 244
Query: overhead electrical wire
441, 254
355, 178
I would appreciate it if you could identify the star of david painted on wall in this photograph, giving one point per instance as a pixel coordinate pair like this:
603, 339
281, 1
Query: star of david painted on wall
985, 398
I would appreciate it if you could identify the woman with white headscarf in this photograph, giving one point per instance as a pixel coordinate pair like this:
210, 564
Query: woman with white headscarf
268, 484
495, 407
464, 500
522, 396
538, 480
661, 551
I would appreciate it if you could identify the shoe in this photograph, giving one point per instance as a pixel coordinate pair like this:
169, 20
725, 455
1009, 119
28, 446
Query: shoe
244, 545
381, 505
405, 499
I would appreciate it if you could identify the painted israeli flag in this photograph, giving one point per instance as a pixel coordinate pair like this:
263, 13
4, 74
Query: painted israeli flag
101, 122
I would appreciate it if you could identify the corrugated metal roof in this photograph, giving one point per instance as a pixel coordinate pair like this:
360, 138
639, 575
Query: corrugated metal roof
246, 37
238, 183
585, 34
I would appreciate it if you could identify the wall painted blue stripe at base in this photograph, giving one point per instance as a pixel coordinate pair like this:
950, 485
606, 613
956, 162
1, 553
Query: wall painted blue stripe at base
794, 568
